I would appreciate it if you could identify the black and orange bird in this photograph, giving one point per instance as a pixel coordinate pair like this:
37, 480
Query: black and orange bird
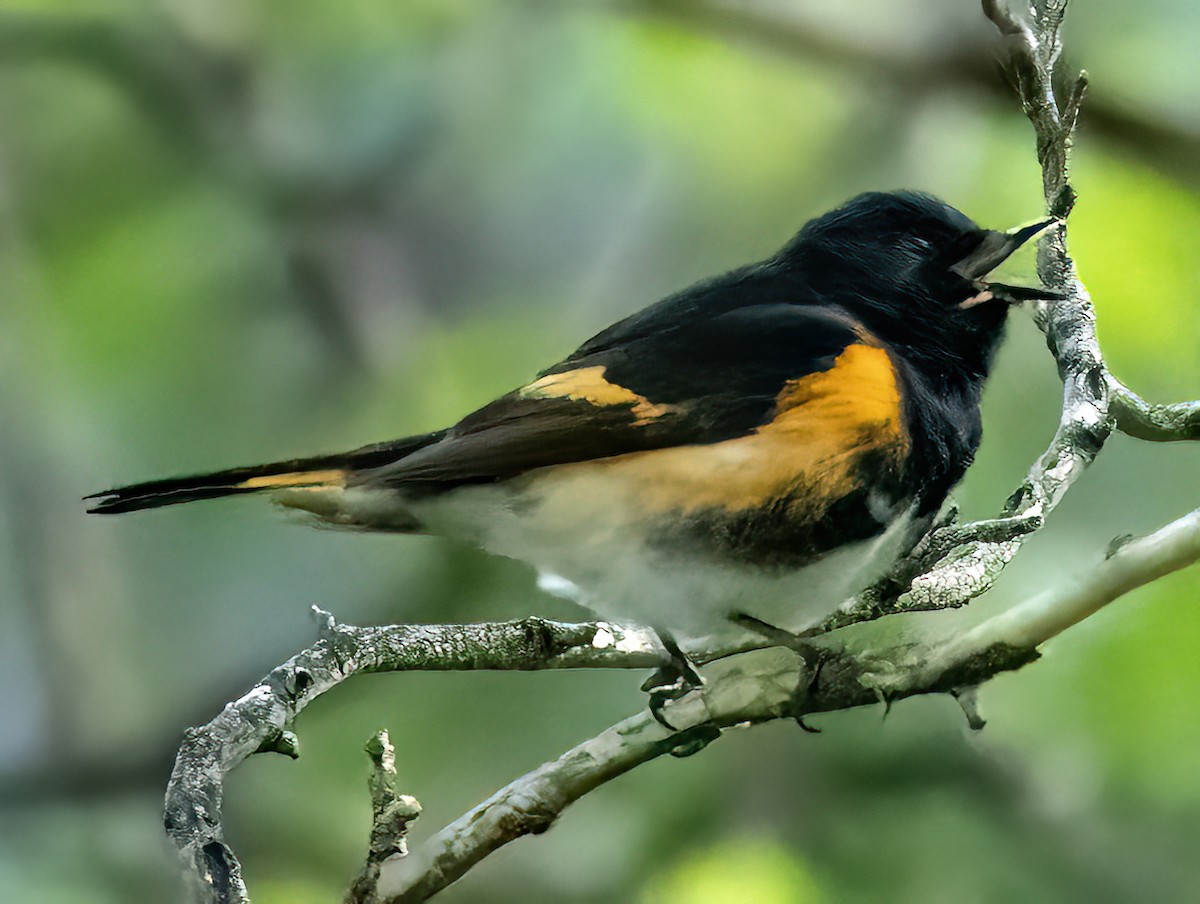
761, 443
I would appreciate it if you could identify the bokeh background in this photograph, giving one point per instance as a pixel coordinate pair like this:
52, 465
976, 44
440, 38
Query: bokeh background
239, 230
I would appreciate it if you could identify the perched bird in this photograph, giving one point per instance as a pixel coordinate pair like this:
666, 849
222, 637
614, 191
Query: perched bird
761, 443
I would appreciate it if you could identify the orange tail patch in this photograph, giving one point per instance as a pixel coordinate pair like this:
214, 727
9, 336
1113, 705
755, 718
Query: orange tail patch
331, 478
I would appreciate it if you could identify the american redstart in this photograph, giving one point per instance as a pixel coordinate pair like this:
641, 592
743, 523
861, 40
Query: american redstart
761, 443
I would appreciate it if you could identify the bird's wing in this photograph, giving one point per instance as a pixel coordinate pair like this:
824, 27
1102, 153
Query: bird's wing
702, 380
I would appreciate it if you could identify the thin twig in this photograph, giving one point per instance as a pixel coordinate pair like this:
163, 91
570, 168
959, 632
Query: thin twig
977, 554
1149, 421
393, 813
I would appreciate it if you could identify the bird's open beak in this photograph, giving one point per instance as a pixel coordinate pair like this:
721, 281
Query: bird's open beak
980, 265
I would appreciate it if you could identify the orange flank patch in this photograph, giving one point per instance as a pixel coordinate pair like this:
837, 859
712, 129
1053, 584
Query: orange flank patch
588, 384
805, 457
334, 477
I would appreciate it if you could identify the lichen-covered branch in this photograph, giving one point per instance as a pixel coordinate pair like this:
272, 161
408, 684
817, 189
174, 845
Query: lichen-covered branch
392, 814
1068, 321
1131, 565
260, 721
1154, 422
739, 692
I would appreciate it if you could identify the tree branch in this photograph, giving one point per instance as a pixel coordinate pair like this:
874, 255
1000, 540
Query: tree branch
260, 721
937, 577
1156, 423
746, 691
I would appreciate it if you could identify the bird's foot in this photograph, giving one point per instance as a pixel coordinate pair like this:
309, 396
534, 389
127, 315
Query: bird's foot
674, 679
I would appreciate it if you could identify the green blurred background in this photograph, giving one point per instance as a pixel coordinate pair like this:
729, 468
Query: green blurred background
238, 230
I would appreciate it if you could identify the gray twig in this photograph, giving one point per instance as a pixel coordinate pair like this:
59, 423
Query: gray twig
393, 813
968, 559
1157, 423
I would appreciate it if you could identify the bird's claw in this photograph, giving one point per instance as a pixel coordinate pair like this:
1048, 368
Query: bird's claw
674, 679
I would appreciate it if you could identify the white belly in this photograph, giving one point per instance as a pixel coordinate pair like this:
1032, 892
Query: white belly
590, 543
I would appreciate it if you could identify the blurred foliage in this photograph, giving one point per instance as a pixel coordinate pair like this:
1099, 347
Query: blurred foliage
750, 869
250, 229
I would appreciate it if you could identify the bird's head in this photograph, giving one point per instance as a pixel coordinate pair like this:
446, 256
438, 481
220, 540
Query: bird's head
916, 271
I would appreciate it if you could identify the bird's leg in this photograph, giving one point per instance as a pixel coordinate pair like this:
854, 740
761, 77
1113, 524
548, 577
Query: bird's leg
813, 655
676, 669
675, 678
780, 637
777, 636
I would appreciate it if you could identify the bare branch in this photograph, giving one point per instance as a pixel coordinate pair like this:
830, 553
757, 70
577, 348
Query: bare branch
744, 691
981, 548
1030, 624
259, 721
978, 555
1157, 423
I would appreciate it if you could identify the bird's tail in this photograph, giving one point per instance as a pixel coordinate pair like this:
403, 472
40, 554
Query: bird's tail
319, 471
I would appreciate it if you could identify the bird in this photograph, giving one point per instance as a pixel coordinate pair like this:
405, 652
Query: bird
757, 446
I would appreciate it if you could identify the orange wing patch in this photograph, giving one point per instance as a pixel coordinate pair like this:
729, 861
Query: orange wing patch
805, 457
588, 384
